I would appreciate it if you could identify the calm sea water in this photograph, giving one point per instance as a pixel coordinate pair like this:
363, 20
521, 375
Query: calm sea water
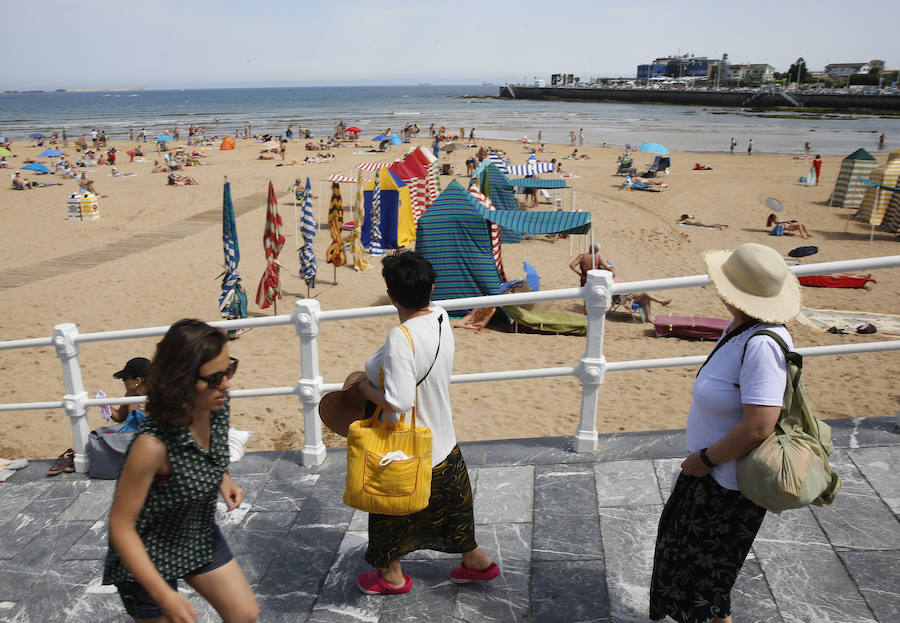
374, 109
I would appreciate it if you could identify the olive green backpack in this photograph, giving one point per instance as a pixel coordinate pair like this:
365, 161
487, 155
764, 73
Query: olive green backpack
790, 468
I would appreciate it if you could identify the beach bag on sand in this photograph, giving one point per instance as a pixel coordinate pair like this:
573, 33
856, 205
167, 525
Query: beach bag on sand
106, 450
790, 468
389, 464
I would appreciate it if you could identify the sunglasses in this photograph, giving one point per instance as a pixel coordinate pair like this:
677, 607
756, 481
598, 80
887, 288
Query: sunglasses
215, 379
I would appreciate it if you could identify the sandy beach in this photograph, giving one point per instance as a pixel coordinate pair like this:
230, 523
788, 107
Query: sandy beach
177, 278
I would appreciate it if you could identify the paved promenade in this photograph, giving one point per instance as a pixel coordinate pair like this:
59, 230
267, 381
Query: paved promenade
573, 534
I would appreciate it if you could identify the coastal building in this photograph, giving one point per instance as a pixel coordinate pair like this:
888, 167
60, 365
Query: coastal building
684, 67
756, 72
845, 70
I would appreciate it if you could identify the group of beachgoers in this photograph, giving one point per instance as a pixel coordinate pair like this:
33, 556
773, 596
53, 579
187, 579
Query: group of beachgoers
162, 524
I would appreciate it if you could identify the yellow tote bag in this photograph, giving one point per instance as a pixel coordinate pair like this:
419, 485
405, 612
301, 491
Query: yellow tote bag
388, 465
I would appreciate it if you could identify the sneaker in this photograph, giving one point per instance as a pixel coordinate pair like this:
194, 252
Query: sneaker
464, 575
65, 462
371, 583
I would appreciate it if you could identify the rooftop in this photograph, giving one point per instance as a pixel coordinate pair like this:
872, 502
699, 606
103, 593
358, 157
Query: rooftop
572, 533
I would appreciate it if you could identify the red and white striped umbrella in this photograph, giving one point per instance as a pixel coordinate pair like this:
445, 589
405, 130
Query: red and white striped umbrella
495, 230
269, 290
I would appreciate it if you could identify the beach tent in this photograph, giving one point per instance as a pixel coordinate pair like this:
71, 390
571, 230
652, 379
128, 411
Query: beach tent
876, 200
397, 224
454, 236
416, 186
430, 163
848, 189
891, 220
498, 188
227, 143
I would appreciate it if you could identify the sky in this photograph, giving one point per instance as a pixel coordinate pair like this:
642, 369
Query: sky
105, 44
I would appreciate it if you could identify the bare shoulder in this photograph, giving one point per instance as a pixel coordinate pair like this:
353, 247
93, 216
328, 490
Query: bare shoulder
147, 454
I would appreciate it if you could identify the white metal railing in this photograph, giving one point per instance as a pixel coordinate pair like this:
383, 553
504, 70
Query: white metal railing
307, 317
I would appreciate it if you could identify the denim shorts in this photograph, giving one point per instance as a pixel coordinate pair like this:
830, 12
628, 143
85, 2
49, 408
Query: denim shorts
138, 602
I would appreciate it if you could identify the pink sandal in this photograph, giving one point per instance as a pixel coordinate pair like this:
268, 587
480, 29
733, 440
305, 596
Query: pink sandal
464, 575
371, 583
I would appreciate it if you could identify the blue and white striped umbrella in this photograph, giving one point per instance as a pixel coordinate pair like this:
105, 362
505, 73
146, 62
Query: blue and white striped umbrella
233, 300
375, 235
308, 267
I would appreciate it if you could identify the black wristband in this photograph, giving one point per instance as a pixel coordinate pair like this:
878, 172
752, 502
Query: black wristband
705, 459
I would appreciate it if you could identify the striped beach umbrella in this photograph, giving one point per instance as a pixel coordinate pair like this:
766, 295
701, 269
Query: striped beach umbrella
269, 290
233, 300
335, 253
308, 267
360, 262
375, 238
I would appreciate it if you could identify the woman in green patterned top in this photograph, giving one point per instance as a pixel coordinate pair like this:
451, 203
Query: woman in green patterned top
162, 521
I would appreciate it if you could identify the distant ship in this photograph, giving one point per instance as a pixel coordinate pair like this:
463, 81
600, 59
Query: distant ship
487, 84
424, 84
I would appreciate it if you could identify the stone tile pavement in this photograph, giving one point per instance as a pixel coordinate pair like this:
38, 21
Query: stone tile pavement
573, 534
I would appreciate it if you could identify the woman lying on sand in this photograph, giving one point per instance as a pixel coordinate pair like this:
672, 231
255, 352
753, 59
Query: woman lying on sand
181, 180
688, 219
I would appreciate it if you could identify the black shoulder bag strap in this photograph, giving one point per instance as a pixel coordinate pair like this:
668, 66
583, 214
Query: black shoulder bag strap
440, 326
733, 333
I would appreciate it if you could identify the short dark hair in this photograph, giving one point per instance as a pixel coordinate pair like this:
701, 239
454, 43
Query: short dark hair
172, 376
409, 278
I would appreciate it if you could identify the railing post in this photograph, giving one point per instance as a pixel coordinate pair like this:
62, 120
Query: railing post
592, 369
306, 323
74, 400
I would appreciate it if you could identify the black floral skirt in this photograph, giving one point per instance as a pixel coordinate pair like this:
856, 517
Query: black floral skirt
705, 533
447, 524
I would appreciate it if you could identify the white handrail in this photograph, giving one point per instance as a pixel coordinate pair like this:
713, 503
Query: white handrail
307, 316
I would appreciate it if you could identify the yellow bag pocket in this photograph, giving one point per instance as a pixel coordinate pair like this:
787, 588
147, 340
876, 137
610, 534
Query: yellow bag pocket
394, 479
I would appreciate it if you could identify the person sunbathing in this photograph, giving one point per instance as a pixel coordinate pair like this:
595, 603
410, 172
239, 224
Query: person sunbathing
789, 227
647, 180
688, 219
701, 167
181, 180
158, 168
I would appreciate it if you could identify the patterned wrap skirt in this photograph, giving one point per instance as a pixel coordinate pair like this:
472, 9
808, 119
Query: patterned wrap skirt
447, 524
705, 533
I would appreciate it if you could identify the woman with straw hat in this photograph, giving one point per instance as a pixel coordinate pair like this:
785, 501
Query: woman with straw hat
707, 526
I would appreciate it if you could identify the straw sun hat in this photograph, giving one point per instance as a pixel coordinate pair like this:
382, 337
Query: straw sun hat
755, 279
341, 408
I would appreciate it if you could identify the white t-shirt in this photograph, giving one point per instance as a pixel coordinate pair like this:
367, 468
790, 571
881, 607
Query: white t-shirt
724, 385
402, 371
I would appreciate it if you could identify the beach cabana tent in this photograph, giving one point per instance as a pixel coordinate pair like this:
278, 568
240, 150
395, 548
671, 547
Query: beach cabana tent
876, 200
397, 224
848, 190
417, 194
456, 239
891, 220
455, 235
430, 163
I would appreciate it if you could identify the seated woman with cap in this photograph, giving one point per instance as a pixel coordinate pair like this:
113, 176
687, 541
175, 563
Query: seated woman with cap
133, 376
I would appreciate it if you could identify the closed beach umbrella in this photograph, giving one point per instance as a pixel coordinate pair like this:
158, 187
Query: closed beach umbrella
233, 300
269, 290
437, 146
375, 232
335, 253
37, 166
653, 148
360, 262
308, 268
50, 153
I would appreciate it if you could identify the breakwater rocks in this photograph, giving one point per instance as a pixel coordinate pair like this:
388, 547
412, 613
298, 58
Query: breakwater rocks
734, 98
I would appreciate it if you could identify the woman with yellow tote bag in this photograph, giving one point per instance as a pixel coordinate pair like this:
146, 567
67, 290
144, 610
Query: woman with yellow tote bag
416, 372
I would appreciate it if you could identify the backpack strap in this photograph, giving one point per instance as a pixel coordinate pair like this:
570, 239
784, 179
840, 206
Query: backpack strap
789, 355
733, 333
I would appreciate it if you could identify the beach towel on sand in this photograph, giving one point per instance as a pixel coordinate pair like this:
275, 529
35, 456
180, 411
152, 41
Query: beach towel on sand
697, 327
835, 281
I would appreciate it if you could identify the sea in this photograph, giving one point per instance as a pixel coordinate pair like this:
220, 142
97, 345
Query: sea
376, 109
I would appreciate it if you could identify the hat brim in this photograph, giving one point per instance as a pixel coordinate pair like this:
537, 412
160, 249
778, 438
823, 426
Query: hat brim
338, 410
776, 309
